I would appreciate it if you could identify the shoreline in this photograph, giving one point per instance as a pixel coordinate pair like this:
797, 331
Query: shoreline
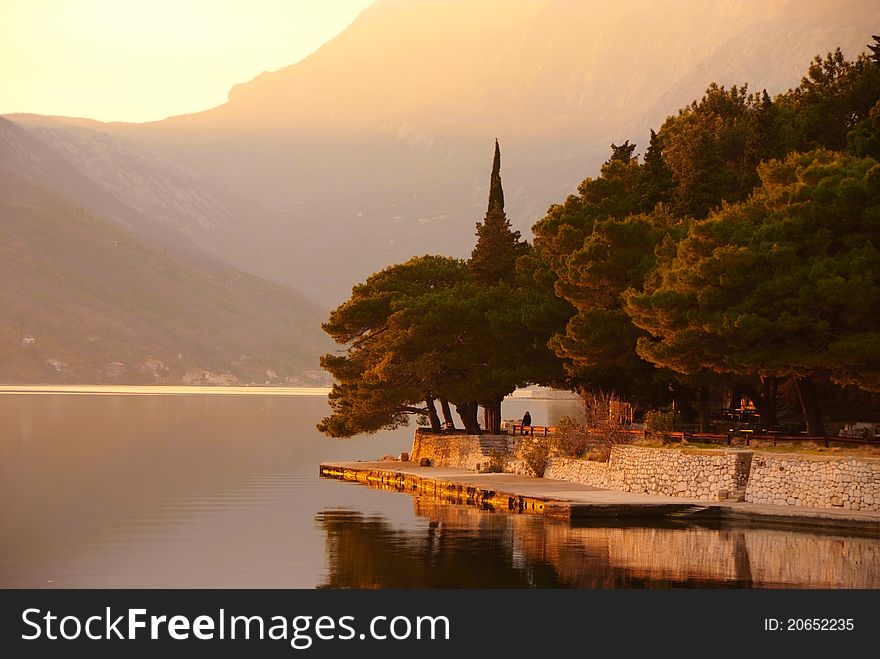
578, 503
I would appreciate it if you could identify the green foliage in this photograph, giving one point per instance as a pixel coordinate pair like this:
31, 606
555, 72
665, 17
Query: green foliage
755, 288
832, 99
571, 438
785, 283
656, 181
734, 249
864, 138
535, 452
398, 327
660, 423
493, 259
623, 153
707, 148
437, 327
614, 254
875, 50
597, 426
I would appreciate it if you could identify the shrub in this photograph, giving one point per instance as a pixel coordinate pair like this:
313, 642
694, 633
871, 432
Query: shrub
597, 427
571, 438
599, 454
660, 423
535, 452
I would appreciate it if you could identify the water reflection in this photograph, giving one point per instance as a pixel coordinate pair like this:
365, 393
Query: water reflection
458, 546
170, 491
223, 491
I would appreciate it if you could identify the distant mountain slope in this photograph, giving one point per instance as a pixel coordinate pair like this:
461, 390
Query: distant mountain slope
31, 158
84, 301
377, 146
146, 192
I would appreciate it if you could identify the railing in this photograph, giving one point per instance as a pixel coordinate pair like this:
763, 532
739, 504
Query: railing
746, 436
775, 438
530, 430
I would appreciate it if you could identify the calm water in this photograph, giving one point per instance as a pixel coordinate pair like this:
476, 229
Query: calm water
222, 491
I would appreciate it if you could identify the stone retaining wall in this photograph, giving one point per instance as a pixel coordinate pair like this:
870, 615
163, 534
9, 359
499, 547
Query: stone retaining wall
701, 474
585, 472
819, 481
802, 480
474, 452
704, 474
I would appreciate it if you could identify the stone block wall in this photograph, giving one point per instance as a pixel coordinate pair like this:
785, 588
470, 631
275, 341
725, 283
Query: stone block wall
474, 452
585, 472
819, 481
710, 475
701, 474
758, 477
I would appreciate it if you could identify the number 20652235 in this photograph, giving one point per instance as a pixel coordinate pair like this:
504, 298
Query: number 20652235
809, 624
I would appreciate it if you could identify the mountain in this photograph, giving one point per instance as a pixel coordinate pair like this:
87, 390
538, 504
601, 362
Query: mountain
41, 163
143, 191
85, 301
376, 147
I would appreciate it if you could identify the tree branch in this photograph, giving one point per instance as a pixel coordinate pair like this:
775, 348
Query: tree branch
413, 410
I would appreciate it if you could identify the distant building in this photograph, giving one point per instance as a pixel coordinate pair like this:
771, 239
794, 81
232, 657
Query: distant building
197, 377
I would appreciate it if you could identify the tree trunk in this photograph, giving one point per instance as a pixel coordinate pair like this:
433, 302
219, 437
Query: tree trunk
681, 398
704, 409
810, 406
769, 386
492, 415
498, 419
432, 414
447, 414
765, 399
468, 413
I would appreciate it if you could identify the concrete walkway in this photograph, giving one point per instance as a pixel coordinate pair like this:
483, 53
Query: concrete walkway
582, 502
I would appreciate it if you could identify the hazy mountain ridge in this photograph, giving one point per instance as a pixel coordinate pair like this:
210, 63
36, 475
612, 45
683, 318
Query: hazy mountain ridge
84, 301
538, 69
156, 197
148, 181
376, 147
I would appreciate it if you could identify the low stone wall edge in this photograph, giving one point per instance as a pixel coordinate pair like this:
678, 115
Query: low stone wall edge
744, 475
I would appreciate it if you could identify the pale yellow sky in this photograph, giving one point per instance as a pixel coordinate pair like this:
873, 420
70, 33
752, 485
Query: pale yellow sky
141, 60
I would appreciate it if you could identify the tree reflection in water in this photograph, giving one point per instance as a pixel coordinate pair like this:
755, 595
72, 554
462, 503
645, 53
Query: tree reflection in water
368, 552
462, 547
459, 547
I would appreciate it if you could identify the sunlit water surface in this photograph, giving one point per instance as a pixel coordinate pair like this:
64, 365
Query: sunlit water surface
196, 490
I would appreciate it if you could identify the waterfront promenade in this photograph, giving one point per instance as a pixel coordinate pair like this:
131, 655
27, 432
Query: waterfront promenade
564, 499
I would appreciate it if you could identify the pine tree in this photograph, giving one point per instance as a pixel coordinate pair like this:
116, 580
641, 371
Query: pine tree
875, 49
623, 153
493, 259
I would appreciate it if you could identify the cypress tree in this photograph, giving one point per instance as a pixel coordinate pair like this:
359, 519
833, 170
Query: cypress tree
493, 263
656, 182
493, 259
